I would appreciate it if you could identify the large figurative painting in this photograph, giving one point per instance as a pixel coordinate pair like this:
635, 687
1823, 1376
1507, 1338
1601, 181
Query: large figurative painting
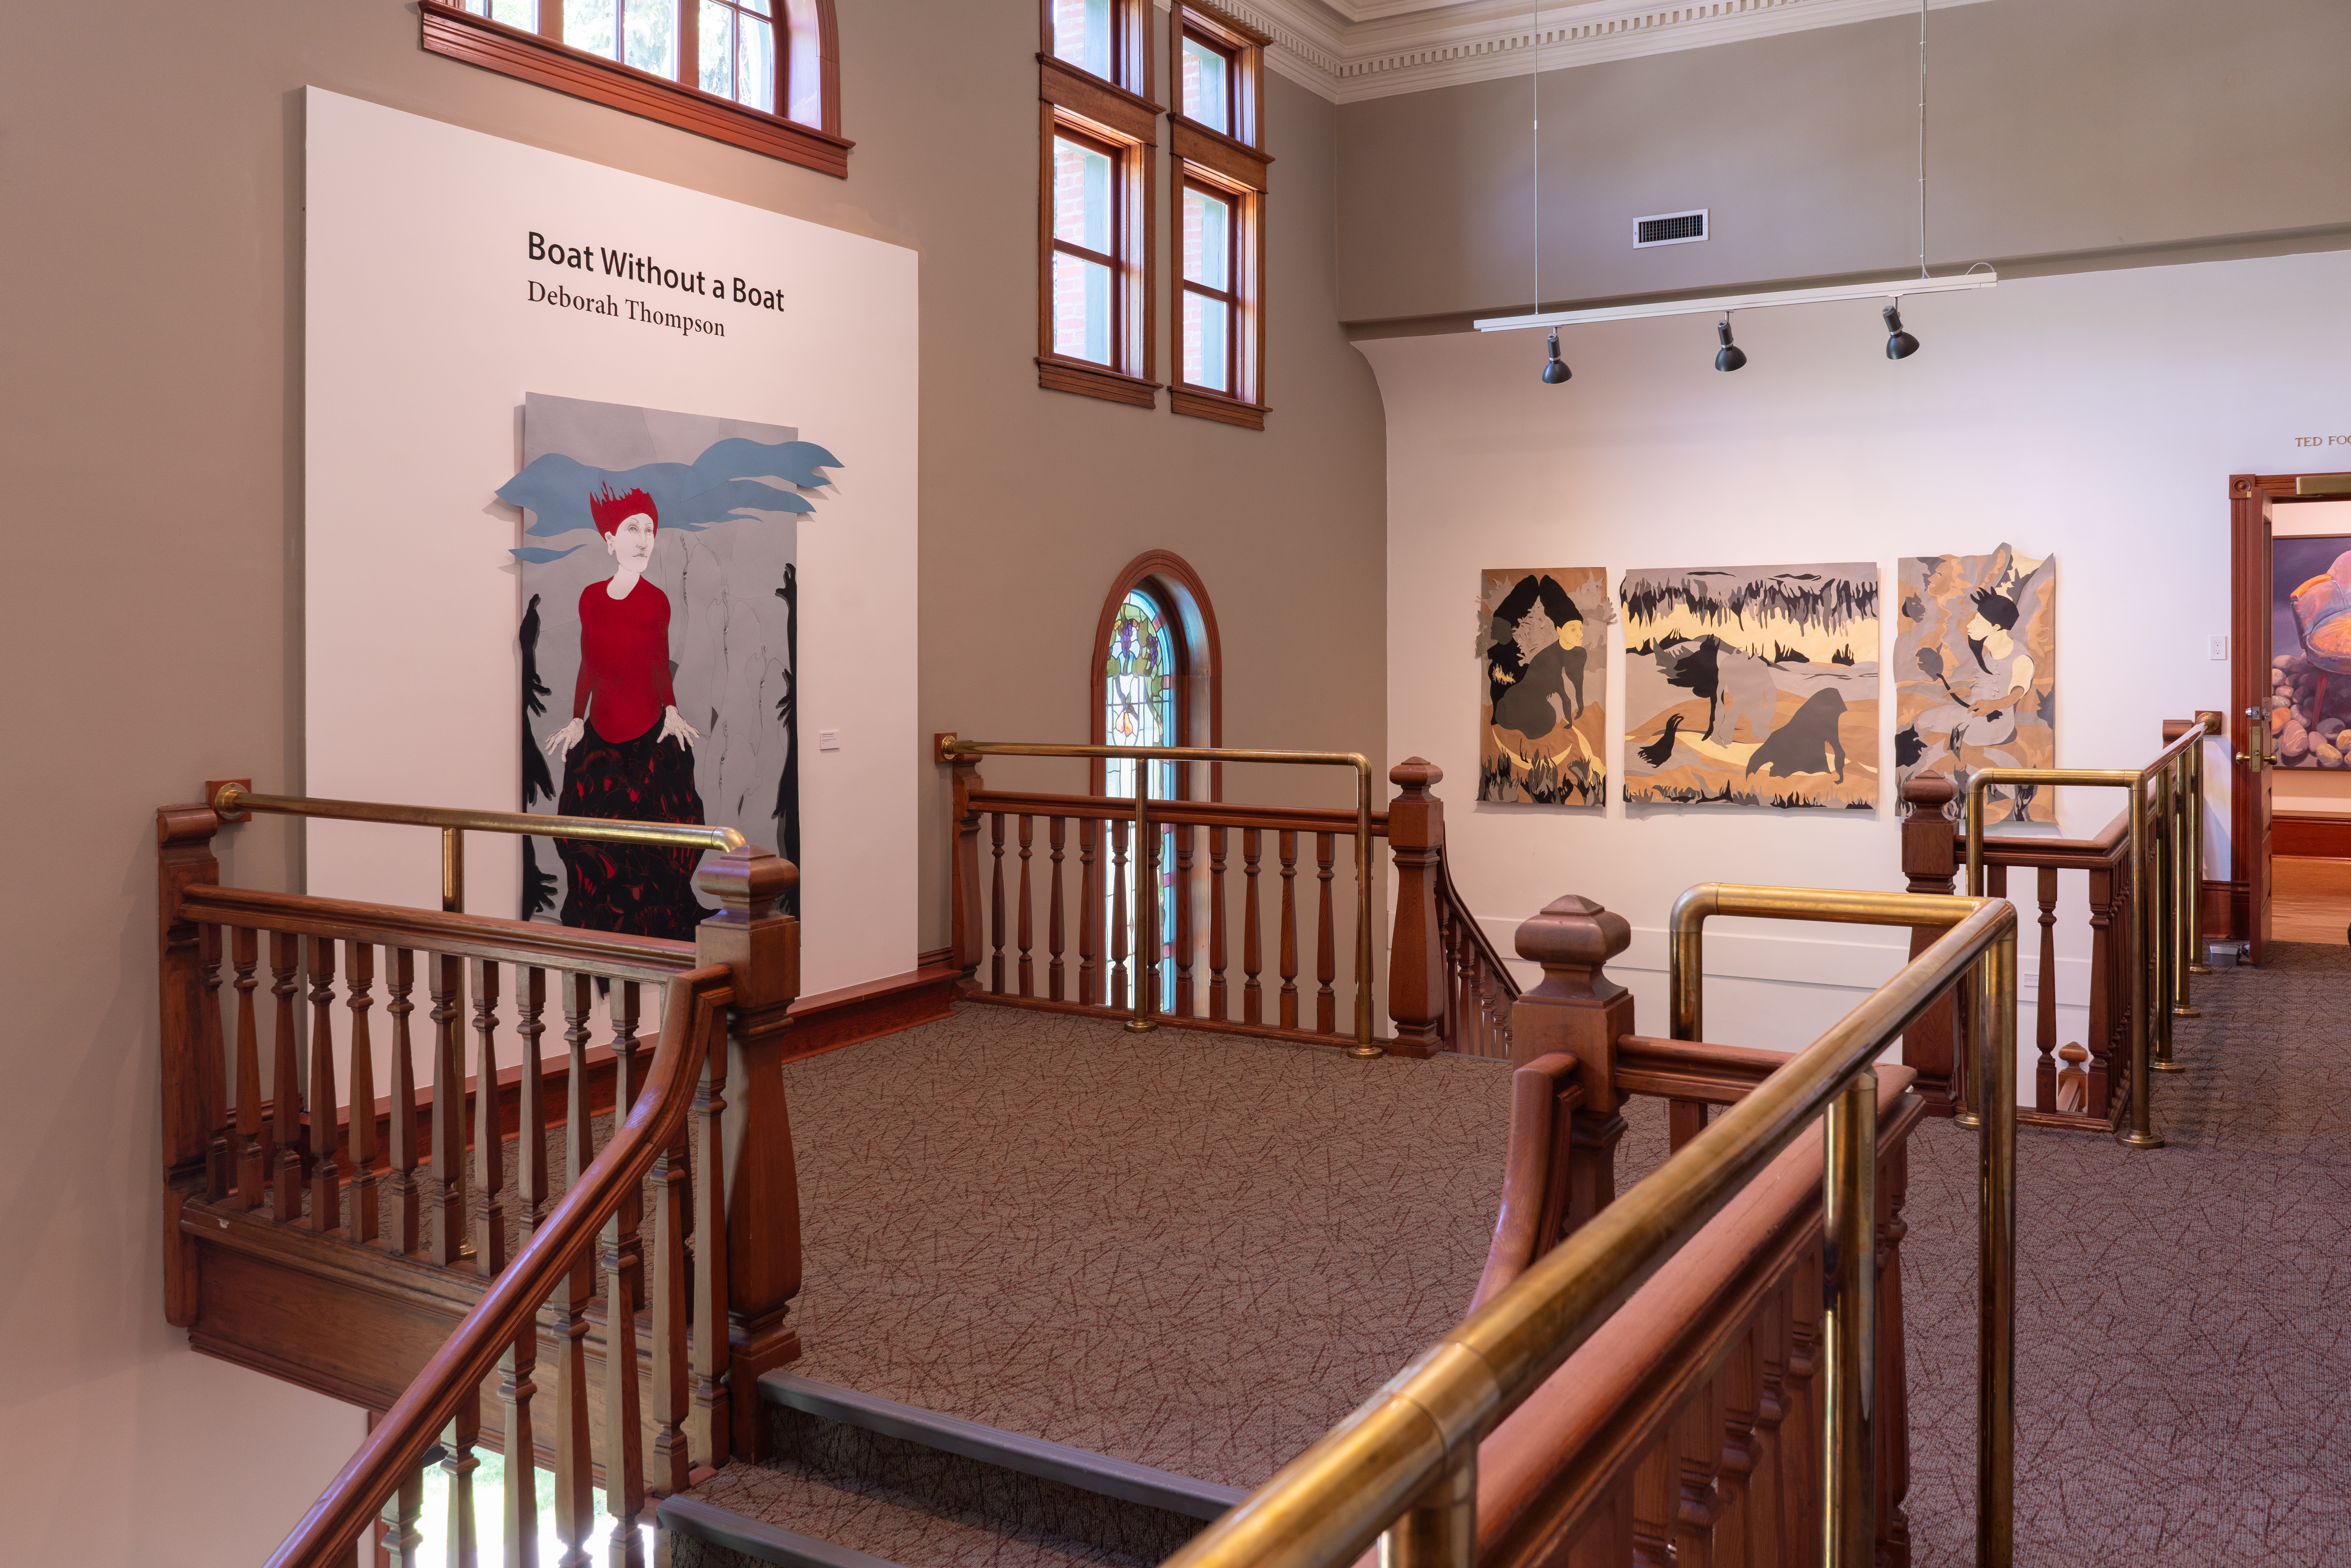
657, 646
1975, 669
1752, 686
2310, 643
1543, 652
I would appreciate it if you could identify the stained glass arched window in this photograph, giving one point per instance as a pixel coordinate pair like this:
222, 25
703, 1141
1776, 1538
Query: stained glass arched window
1141, 688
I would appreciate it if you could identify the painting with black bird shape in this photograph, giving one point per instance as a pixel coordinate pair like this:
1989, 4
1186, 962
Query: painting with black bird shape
1754, 686
659, 591
1975, 675
1542, 660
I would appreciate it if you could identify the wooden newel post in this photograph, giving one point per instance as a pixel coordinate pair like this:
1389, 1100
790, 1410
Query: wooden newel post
1417, 966
1578, 1010
966, 934
763, 1206
1930, 860
193, 1069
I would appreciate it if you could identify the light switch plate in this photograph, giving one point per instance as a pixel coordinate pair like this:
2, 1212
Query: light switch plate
2221, 649
827, 740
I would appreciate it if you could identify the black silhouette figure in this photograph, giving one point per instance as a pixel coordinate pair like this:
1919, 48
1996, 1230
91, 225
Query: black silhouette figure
1806, 741
1657, 751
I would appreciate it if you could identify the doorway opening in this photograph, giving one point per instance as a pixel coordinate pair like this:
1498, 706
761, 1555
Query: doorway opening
2290, 801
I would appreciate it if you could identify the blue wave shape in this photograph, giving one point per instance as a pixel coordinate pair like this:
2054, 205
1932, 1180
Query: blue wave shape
724, 485
539, 555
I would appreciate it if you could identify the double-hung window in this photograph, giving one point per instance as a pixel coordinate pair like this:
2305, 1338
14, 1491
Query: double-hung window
1098, 131
1219, 217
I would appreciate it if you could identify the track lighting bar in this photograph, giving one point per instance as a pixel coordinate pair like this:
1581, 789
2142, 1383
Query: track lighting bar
1891, 289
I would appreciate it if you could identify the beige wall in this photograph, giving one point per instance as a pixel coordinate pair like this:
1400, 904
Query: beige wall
2071, 134
151, 440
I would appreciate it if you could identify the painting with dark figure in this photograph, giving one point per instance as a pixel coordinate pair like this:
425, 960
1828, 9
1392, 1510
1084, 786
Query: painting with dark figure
1975, 665
2310, 650
658, 652
1542, 649
1752, 686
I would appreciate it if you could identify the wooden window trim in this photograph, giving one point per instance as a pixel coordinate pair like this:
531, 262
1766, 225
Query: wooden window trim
1109, 116
1245, 45
1131, 50
544, 61
1199, 655
1245, 404
1231, 296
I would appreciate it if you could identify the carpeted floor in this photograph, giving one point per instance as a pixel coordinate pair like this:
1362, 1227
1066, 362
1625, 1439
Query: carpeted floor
2182, 1359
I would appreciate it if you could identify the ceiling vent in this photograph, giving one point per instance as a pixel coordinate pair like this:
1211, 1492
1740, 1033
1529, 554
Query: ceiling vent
1669, 228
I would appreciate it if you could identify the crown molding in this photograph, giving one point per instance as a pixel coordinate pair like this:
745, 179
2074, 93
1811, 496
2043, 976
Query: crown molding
1348, 50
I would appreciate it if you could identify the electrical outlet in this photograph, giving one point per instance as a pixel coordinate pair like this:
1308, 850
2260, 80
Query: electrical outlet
827, 740
2221, 649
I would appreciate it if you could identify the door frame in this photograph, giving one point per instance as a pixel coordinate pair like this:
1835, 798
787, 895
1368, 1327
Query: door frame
2250, 498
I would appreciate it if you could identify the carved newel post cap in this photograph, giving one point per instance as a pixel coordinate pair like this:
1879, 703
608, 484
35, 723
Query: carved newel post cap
1572, 939
1415, 774
745, 884
1933, 791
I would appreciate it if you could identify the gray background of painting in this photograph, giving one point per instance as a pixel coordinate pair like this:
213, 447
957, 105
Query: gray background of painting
728, 654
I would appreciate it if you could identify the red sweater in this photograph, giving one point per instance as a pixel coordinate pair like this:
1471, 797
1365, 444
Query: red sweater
623, 660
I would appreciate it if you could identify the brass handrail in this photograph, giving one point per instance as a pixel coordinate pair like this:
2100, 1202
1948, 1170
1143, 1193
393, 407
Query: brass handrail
692, 1023
1146, 858
1992, 1044
1404, 1464
232, 802
2167, 898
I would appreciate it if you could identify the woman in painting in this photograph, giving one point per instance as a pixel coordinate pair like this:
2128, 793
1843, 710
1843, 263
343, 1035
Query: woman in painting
1534, 678
626, 753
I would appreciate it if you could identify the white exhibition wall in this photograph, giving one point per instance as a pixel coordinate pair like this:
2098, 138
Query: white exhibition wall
427, 321
2096, 416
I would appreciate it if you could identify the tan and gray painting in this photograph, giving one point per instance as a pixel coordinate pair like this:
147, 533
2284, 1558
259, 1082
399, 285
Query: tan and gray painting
1752, 685
1542, 655
1975, 669
2310, 643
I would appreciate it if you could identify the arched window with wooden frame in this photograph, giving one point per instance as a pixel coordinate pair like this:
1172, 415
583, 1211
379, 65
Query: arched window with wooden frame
758, 74
1154, 681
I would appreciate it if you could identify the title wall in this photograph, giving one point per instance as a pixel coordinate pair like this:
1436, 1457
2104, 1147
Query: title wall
2096, 416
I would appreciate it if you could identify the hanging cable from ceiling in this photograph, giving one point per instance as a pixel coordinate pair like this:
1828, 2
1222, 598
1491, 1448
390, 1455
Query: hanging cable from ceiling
1554, 368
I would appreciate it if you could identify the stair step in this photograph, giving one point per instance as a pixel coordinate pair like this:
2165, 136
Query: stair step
755, 1539
1075, 1467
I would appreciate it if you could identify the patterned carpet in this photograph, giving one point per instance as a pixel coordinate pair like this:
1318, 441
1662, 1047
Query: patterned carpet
2182, 1353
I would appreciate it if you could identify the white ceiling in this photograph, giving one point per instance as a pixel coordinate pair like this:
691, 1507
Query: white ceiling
1352, 49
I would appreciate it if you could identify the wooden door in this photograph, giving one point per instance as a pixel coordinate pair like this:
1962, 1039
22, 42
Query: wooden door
2248, 725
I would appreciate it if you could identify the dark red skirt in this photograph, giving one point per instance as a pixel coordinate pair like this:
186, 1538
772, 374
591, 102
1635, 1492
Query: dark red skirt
640, 890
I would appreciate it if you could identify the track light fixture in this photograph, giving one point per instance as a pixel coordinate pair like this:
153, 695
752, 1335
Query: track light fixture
1730, 356
1556, 370
1899, 344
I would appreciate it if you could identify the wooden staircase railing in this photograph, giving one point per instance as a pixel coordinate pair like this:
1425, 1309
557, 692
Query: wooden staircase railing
1040, 884
339, 1240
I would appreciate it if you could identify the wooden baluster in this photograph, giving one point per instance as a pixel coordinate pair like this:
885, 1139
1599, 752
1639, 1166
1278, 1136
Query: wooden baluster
1326, 952
458, 1463
1699, 1504
1217, 1000
1252, 955
1893, 1425
628, 1076
220, 1145
1288, 928
1930, 861
326, 1174
530, 1110
1800, 1450
402, 1544
2044, 986
1734, 1533
710, 1435
489, 1142
1767, 1491
447, 983
2105, 1015
1053, 828
1685, 1120
574, 1467
576, 994
1179, 940
996, 906
252, 1149
363, 1150
286, 1091
1027, 923
1090, 906
517, 1367
668, 1475
624, 1442
1118, 915
1657, 1499
400, 1184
